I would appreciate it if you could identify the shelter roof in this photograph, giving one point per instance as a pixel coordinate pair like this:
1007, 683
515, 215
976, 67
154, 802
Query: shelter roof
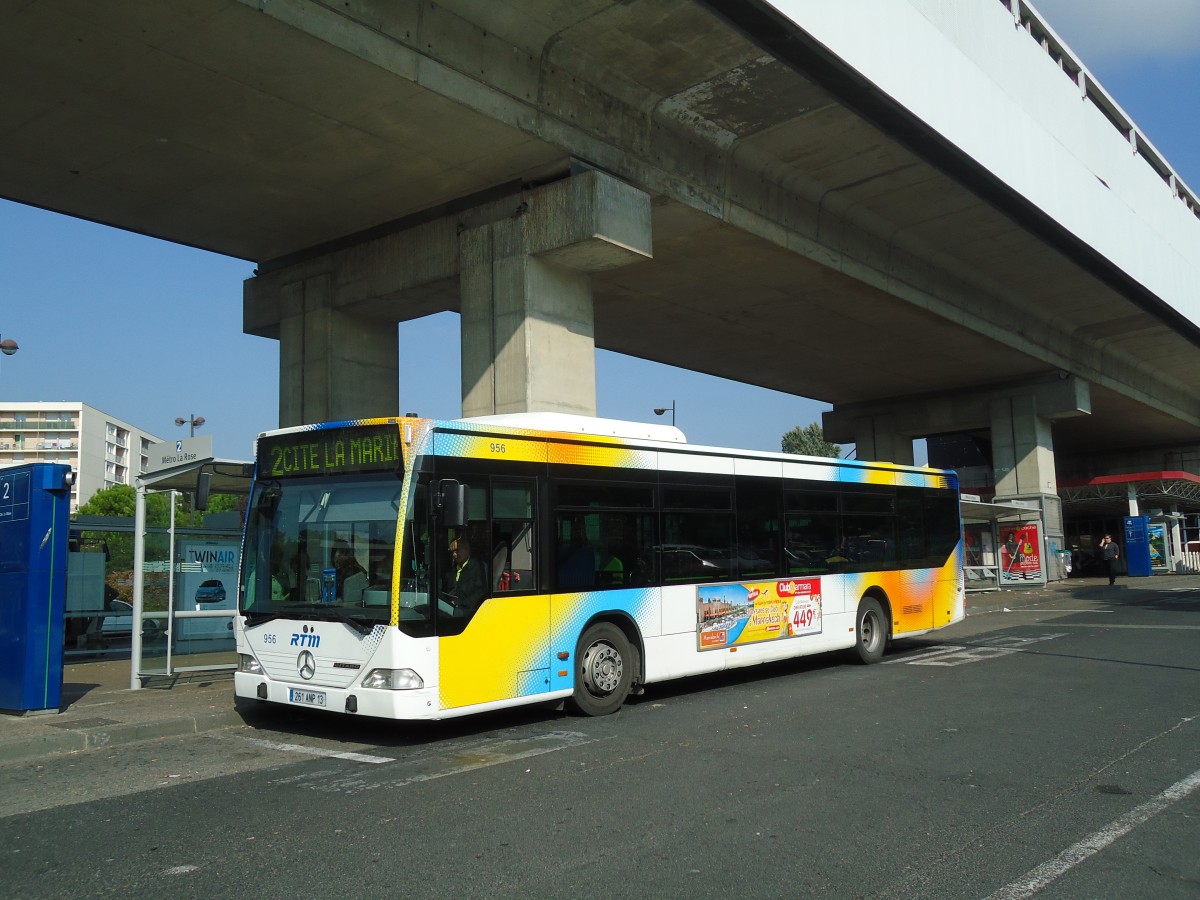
1177, 488
229, 476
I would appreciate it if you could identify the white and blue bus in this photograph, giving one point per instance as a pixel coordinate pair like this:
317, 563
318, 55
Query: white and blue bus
606, 555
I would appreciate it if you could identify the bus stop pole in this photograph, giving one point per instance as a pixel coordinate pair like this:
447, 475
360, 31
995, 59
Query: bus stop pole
174, 565
139, 585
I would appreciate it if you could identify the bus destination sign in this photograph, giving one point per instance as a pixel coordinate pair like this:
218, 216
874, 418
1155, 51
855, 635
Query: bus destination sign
330, 451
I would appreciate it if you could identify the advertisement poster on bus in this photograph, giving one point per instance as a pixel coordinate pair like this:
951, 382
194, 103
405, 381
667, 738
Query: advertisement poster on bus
1020, 552
737, 614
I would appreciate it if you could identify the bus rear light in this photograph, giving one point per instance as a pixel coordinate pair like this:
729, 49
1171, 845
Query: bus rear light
393, 680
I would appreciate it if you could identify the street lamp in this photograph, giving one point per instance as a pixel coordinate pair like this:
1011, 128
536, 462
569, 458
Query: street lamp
194, 421
661, 410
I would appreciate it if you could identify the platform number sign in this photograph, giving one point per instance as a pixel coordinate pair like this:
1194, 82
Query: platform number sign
14, 497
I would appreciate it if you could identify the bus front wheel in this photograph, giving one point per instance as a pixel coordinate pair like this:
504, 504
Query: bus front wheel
871, 631
603, 670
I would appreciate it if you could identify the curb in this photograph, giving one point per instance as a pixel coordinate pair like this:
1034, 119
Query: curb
45, 745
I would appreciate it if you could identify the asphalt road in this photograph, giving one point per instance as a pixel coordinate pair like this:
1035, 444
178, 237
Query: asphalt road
1051, 751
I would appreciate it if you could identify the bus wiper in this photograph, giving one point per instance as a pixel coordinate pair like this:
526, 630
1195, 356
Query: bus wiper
359, 623
258, 618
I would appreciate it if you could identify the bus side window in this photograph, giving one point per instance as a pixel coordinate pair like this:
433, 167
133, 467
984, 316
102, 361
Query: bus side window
512, 557
513, 566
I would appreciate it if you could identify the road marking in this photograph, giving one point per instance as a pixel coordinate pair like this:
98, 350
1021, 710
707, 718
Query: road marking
441, 762
1035, 879
1043, 610
966, 655
922, 654
1128, 627
979, 651
310, 751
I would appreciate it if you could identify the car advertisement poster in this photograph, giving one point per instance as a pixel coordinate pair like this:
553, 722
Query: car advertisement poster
731, 615
207, 581
207, 575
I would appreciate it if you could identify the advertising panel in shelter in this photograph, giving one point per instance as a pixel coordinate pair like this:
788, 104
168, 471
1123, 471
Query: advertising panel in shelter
1020, 552
737, 614
1157, 532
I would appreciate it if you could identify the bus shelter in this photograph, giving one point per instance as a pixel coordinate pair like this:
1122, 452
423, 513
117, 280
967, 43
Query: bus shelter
185, 581
1004, 545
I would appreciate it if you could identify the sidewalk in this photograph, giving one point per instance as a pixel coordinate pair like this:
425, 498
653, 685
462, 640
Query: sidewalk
99, 709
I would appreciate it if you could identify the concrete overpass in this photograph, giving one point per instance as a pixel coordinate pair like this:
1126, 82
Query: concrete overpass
938, 223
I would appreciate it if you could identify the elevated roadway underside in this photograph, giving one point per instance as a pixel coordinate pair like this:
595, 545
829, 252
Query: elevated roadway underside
808, 235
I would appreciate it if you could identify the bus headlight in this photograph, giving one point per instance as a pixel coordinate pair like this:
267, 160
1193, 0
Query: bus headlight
247, 663
393, 680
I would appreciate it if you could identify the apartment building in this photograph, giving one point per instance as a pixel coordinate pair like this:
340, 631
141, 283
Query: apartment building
103, 450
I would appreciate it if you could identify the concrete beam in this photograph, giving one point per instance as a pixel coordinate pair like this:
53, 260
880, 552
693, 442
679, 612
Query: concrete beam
876, 438
1055, 398
520, 264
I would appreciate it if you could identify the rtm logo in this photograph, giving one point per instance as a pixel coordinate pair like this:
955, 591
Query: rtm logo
306, 640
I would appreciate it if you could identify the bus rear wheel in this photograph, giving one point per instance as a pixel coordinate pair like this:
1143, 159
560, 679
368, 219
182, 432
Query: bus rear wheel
603, 670
871, 632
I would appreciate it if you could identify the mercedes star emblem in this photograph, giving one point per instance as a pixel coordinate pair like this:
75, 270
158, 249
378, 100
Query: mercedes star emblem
306, 663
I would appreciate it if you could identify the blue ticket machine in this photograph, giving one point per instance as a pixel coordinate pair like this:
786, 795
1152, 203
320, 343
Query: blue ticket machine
1137, 545
34, 520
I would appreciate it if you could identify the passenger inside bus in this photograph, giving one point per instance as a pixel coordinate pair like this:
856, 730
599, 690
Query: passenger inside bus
281, 579
351, 576
577, 559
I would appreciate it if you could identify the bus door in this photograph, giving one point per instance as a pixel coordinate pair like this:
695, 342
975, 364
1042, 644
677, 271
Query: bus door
493, 626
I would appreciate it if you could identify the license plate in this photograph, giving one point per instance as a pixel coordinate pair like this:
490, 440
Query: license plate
308, 698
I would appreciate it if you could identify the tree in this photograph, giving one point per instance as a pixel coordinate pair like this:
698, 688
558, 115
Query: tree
117, 500
809, 441
121, 500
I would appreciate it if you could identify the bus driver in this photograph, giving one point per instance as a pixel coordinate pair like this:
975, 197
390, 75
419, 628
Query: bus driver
468, 581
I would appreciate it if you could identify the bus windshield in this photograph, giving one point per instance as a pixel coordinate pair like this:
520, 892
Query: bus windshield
322, 549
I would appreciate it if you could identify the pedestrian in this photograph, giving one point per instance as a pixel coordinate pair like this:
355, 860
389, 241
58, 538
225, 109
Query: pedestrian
1111, 554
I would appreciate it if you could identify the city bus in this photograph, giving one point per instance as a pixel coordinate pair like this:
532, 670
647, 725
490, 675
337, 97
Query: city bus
602, 556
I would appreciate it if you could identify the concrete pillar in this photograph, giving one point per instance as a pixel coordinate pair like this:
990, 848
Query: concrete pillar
1022, 447
1023, 457
332, 364
528, 339
527, 329
876, 439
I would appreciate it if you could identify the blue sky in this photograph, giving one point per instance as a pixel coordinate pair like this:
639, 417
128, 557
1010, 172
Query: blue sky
148, 331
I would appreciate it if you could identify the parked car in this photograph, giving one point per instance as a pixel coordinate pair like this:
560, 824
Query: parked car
118, 623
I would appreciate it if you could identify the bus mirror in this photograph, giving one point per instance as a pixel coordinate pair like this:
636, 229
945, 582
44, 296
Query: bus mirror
453, 504
268, 501
203, 482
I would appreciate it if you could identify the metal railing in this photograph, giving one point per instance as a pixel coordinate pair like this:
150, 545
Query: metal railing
1028, 18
